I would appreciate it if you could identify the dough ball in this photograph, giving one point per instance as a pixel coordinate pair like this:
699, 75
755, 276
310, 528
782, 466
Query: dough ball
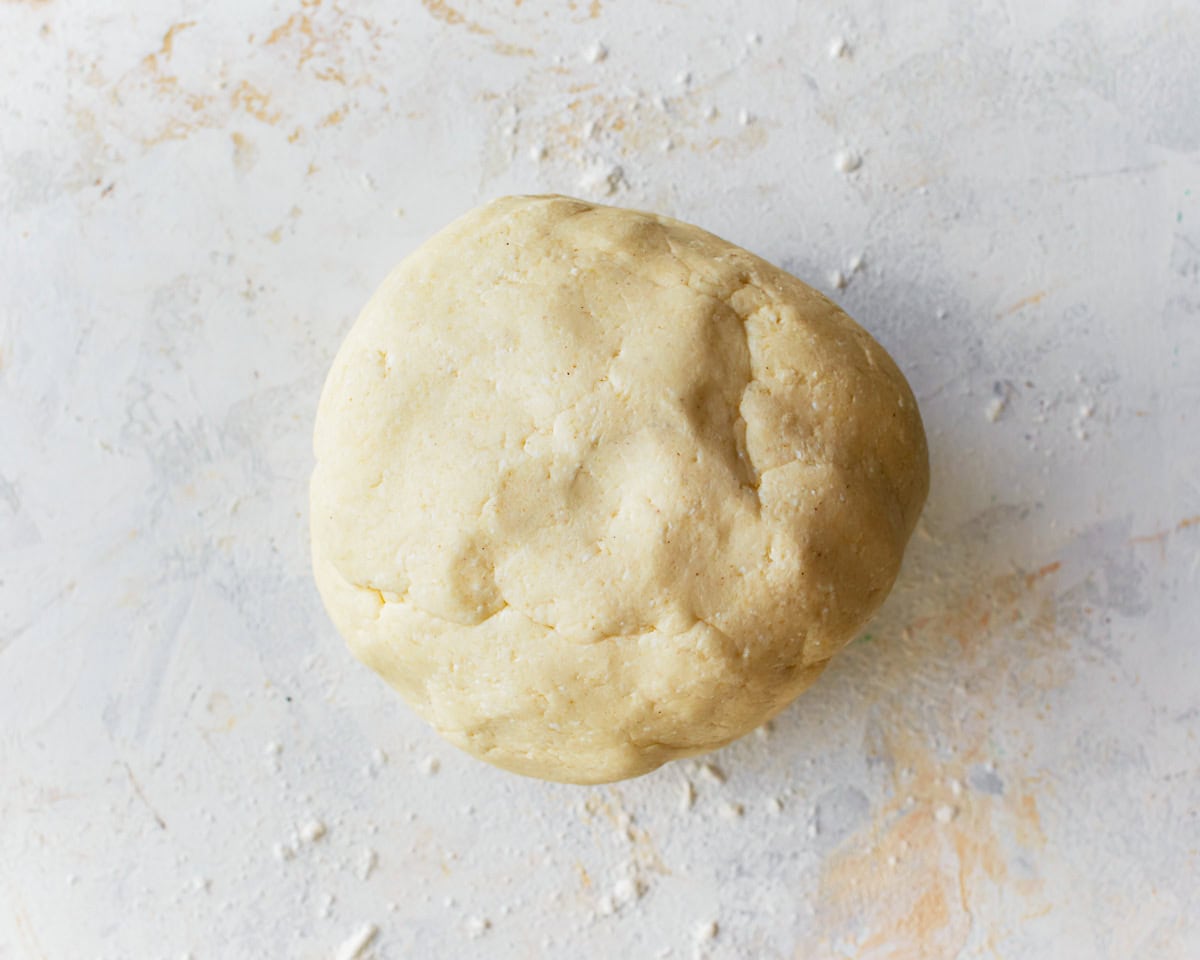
596, 489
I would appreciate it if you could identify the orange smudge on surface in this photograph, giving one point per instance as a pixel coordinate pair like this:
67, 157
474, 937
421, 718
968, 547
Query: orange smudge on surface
295, 135
1160, 537
912, 908
336, 48
296, 23
333, 118
1045, 571
244, 152
939, 853
255, 102
594, 9
1157, 537
1029, 822
154, 76
506, 49
330, 75
441, 10
1024, 302
168, 42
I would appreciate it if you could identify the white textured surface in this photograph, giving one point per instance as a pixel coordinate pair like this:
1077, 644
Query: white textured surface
194, 202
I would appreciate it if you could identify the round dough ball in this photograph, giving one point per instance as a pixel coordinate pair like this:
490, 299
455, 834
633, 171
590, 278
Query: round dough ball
596, 489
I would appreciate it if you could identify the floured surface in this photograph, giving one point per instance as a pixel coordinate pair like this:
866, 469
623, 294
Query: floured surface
195, 202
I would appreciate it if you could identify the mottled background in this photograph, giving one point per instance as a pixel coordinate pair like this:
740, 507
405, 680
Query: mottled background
195, 199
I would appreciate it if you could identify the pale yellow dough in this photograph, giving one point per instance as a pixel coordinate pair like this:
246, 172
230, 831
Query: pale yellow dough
596, 489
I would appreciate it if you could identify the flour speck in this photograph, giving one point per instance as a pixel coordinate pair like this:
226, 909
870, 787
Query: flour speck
687, 796
601, 178
313, 831
846, 161
356, 944
368, 859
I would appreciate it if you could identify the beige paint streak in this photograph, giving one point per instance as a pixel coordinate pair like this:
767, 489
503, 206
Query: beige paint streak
909, 884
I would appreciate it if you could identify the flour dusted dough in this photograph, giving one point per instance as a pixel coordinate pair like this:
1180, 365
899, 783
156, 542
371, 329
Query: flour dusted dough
596, 489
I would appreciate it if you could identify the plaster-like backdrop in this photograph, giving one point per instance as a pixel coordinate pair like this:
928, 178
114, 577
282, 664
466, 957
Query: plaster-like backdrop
195, 199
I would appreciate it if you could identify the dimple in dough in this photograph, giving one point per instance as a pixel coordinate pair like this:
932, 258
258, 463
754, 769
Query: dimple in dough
596, 489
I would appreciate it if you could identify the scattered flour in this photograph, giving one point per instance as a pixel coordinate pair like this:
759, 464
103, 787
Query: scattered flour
846, 161
355, 945
687, 797
368, 859
945, 813
313, 831
601, 178
732, 811
627, 890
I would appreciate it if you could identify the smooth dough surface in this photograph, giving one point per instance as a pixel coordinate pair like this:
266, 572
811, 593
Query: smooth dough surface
596, 489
